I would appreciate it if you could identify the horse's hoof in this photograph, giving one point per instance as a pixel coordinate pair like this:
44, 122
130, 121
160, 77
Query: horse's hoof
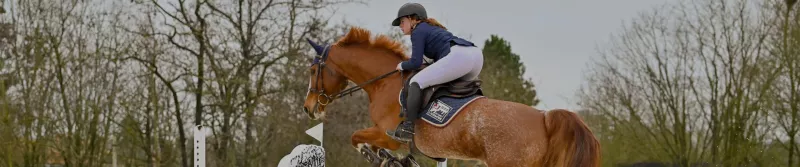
383, 153
371, 156
391, 162
384, 163
409, 161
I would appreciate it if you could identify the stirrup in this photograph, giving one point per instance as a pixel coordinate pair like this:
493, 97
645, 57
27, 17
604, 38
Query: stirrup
399, 131
393, 135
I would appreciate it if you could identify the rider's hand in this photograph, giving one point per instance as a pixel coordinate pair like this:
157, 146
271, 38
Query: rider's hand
399, 67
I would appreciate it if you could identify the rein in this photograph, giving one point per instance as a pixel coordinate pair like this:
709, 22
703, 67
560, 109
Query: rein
359, 86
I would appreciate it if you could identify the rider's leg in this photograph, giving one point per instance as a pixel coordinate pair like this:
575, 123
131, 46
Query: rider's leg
477, 66
461, 63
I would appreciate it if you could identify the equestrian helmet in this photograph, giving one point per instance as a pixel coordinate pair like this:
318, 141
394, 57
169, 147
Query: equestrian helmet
410, 9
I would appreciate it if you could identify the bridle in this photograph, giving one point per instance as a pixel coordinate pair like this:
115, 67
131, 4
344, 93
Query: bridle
319, 60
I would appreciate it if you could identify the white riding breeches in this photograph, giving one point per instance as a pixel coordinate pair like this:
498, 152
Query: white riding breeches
463, 62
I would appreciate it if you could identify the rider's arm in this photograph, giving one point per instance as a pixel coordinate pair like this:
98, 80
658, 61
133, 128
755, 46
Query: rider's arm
417, 48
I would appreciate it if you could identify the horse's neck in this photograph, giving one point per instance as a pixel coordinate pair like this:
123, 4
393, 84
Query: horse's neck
363, 65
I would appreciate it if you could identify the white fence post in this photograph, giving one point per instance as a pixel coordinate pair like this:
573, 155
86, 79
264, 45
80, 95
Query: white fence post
199, 147
442, 164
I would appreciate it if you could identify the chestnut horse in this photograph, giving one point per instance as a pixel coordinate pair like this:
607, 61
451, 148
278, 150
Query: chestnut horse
499, 133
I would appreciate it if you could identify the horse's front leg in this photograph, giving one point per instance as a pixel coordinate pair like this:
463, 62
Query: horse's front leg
375, 137
376, 141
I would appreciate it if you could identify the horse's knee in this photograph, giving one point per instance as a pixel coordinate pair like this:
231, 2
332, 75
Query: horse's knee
355, 139
374, 137
363, 136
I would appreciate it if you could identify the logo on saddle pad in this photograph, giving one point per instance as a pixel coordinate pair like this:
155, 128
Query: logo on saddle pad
439, 110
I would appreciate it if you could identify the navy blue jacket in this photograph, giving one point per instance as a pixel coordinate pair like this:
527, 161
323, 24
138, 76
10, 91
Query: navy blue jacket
432, 41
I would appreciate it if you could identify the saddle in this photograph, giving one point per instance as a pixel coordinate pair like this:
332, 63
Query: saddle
456, 89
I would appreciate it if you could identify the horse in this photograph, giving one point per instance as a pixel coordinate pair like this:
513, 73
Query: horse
496, 132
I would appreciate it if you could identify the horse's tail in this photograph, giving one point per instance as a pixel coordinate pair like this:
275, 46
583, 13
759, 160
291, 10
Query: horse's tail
571, 143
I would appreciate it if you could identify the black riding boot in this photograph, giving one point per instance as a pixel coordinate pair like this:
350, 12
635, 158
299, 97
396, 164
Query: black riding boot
405, 131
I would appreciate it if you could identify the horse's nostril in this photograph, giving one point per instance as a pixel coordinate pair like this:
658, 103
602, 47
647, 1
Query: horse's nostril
310, 115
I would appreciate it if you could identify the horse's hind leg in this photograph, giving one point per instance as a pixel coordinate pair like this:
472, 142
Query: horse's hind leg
510, 160
509, 154
375, 137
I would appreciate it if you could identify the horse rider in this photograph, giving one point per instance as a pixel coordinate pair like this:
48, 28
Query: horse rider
454, 58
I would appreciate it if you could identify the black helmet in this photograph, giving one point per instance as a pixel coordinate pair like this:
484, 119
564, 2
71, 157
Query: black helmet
410, 9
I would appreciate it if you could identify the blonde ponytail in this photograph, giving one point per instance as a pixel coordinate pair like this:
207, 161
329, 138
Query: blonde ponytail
433, 22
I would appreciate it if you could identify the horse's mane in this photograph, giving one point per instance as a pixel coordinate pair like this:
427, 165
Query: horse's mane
360, 36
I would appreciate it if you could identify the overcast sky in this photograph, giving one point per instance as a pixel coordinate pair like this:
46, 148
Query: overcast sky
556, 39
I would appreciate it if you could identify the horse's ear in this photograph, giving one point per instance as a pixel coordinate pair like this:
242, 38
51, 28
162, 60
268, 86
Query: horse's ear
315, 46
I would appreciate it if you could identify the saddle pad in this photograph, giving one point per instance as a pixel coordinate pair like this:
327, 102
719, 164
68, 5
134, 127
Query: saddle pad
439, 112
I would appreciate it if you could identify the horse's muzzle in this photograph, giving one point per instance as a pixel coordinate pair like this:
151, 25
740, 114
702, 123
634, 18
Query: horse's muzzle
312, 113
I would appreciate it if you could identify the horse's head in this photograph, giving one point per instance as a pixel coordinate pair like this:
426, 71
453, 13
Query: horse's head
355, 57
323, 84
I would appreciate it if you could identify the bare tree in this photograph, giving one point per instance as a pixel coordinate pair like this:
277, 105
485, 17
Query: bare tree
688, 82
233, 61
786, 41
66, 55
